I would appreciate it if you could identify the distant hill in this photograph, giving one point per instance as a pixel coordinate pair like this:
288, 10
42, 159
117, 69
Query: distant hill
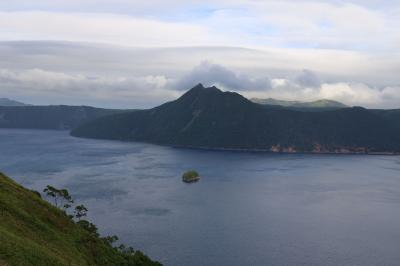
209, 118
391, 116
34, 232
49, 117
324, 103
9, 102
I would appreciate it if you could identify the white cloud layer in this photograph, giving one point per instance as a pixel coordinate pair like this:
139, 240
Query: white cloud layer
352, 94
146, 91
213, 74
61, 88
351, 25
107, 28
120, 77
125, 53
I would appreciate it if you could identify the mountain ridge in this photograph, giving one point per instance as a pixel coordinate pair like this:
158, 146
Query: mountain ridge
10, 102
322, 103
209, 118
58, 117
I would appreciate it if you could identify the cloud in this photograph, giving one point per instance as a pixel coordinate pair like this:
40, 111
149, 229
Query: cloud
96, 59
146, 91
44, 87
126, 53
349, 25
103, 28
125, 77
213, 74
307, 78
350, 93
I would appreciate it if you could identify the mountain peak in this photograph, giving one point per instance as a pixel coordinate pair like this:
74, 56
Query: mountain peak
198, 87
201, 87
200, 90
206, 96
210, 118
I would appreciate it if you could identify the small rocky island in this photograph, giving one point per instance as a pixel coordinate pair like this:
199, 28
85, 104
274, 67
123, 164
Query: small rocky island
190, 177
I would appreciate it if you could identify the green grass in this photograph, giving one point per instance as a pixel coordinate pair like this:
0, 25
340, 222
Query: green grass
33, 232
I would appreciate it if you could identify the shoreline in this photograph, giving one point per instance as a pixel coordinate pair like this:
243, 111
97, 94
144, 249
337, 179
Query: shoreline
289, 151
387, 153
278, 152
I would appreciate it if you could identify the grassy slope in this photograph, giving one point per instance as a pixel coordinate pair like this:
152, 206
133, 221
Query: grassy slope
33, 232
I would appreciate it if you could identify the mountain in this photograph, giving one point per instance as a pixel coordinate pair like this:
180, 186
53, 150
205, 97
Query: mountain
209, 118
9, 102
392, 116
324, 103
34, 232
49, 117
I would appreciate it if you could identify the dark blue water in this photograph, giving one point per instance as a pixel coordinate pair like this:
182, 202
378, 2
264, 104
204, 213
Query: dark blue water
248, 209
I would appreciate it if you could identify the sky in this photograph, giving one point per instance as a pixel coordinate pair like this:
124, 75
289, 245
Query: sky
139, 54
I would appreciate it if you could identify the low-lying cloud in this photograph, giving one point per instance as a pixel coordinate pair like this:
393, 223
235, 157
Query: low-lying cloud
124, 77
213, 74
307, 78
47, 87
350, 93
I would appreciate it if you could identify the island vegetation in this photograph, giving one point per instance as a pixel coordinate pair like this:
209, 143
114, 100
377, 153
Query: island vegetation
35, 232
190, 176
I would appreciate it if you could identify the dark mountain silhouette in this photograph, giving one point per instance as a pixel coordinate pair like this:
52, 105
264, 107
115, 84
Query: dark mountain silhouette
9, 102
49, 117
209, 118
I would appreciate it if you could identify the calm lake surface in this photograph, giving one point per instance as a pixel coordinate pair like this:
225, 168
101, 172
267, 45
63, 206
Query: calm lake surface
248, 209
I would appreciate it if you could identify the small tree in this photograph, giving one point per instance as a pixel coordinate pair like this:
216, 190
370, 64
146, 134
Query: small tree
66, 199
109, 240
88, 226
80, 211
121, 247
62, 198
52, 192
127, 250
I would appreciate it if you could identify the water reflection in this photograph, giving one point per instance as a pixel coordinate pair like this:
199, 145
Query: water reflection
248, 209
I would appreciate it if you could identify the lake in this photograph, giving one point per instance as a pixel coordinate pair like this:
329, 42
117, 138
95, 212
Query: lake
248, 208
